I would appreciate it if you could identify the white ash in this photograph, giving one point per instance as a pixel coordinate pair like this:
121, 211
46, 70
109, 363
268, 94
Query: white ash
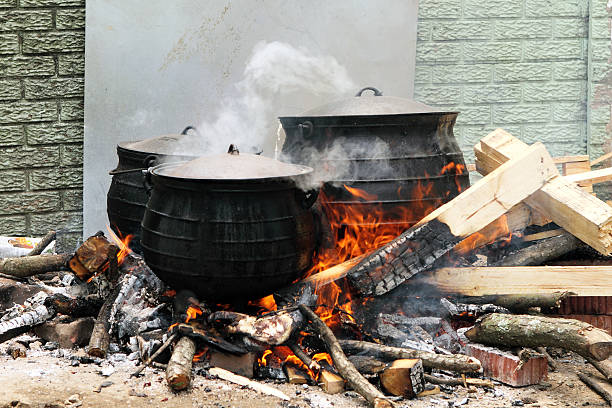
30, 304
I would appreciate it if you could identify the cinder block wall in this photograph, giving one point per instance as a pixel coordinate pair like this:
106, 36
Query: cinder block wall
523, 65
42, 65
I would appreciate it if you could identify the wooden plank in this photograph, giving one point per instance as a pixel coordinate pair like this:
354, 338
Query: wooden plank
418, 248
591, 177
571, 159
573, 168
578, 212
543, 235
601, 158
483, 281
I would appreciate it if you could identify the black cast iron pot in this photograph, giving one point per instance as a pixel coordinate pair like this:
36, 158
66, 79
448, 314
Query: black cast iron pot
126, 199
400, 152
228, 227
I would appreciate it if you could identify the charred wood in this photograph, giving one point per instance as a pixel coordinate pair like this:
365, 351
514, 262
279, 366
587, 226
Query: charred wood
152, 358
367, 365
25, 266
342, 363
20, 324
541, 252
455, 362
44, 243
536, 331
462, 309
82, 306
521, 303
91, 257
100, 336
178, 372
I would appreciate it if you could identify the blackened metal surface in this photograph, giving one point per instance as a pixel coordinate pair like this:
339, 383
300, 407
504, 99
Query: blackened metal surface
420, 166
227, 240
127, 197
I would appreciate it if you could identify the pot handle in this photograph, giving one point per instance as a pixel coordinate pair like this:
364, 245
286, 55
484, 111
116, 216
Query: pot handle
307, 198
370, 88
146, 180
305, 129
188, 128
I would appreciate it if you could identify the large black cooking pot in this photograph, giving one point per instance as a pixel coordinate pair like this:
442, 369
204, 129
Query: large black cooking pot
400, 152
126, 199
229, 226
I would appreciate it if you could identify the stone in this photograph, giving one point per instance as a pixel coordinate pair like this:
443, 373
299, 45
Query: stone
69, 334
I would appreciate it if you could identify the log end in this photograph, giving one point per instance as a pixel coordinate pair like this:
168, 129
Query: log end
179, 382
600, 351
96, 352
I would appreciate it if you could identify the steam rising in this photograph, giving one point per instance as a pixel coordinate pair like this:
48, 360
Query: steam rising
274, 69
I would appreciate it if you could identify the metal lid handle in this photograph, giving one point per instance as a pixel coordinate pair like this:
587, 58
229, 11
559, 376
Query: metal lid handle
370, 88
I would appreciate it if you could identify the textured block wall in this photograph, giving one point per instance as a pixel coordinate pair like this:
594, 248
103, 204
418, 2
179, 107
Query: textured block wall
42, 65
522, 65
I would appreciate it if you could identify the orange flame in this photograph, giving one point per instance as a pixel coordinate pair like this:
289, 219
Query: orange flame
293, 359
359, 229
192, 313
198, 355
263, 360
265, 304
323, 356
123, 244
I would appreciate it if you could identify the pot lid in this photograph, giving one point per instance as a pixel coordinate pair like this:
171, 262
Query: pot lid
233, 166
361, 105
184, 144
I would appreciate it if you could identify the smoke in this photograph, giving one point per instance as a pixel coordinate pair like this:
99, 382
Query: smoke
274, 69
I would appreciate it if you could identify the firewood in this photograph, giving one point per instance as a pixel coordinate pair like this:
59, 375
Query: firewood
542, 251
403, 378
295, 375
591, 177
573, 209
273, 328
536, 331
367, 364
305, 358
81, 306
476, 382
460, 309
152, 358
454, 362
520, 303
552, 364
603, 366
435, 235
342, 363
599, 386
178, 372
91, 257
521, 280
100, 335
245, 382
32, 265
20, 324
331, 383
44, 243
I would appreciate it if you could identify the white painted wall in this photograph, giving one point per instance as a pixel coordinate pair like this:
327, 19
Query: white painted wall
155, 66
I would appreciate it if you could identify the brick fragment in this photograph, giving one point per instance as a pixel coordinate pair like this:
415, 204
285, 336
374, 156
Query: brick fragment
503, 366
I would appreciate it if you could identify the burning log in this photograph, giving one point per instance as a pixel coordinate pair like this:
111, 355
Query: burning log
274, 328
178, 372
342, 363
453, 362
25, 266
81, 306
542, 251
521, 303
93, 257
535, 331
403, 378
465, 381
435, 235
100, 335
600, 387
570, 207
295, 375
245, 382
460, 309
44, 243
